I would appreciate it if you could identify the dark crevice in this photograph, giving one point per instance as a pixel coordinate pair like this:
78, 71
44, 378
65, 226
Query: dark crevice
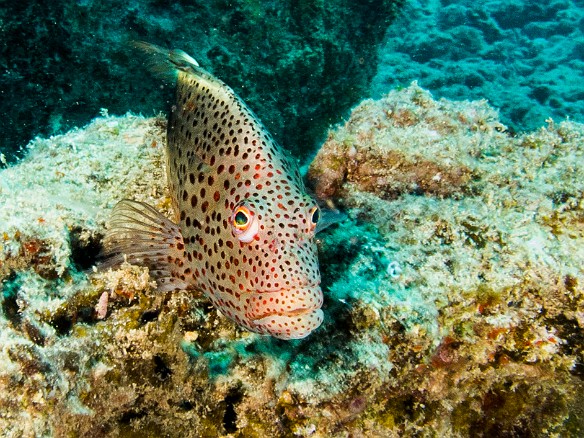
149, 316
10, 307
186, 405
62, 324
569, 330
76, 310
161, 369
230, 416
84, 252
128, 416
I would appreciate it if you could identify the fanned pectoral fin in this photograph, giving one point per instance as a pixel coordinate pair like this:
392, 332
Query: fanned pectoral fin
141, 235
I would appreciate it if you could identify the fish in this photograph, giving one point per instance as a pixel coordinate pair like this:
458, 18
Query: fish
244, 225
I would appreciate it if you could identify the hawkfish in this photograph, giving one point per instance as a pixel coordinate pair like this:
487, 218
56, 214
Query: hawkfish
244, 226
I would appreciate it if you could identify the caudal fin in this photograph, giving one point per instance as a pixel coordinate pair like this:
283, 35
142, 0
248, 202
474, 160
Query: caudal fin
141, 235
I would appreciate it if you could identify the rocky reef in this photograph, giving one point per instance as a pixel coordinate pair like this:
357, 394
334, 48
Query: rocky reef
300, 66
525, 57
453, 290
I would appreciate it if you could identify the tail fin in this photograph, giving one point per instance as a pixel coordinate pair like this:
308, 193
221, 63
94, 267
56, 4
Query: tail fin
142, 236
165, 62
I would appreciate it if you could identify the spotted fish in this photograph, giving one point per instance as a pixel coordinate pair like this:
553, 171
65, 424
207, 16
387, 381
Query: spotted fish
244, 225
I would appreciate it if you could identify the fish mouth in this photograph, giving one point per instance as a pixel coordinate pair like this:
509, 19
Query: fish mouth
288, 302
290, 327
291, 313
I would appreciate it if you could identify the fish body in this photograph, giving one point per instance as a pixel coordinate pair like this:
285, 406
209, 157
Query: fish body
244, 225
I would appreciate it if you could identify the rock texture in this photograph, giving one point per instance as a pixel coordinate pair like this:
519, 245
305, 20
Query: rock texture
452, 307
300, 66
526, 58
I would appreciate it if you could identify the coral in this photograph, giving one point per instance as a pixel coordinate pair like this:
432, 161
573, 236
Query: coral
76, 177
405, 143
452, 308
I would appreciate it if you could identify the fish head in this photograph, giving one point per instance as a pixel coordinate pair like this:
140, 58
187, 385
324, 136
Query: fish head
281, 294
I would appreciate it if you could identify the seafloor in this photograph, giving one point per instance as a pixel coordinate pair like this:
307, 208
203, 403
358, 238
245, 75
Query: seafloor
525, 57
453, 290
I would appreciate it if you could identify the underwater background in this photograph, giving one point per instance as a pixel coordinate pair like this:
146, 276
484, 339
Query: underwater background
453, 287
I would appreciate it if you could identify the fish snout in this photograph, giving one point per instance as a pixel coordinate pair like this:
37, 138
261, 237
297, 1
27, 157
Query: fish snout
290, 327
287, 313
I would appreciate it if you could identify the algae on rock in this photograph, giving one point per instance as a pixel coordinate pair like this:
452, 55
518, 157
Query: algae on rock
453, 291
487, 230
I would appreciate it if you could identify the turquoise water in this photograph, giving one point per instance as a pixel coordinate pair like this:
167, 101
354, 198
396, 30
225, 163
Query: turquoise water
525, 57
301, 66
298, 64
453, 281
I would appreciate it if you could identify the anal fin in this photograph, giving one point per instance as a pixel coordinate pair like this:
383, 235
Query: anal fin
141, 235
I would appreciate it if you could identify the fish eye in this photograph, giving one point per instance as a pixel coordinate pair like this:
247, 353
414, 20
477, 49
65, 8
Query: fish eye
314, 216
244, 223
241, 218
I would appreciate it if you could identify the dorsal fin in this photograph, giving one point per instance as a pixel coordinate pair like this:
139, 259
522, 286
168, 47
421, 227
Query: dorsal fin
166, 62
